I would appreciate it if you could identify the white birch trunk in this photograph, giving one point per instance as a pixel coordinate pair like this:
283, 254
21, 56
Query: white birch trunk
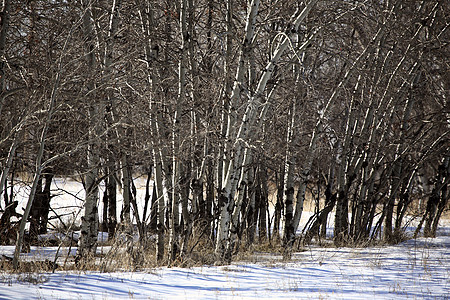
89, 221
230, 180
233, 232
239, 85
223, 155
289, 183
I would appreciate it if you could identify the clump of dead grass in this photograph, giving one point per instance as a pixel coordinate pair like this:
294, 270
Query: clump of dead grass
31, 266
127, 256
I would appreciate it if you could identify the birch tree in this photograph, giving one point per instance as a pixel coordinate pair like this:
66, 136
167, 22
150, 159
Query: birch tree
227, 198
152, 52
243, 132
89, 221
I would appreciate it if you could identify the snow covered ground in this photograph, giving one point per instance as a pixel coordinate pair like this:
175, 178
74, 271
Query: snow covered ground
415, 269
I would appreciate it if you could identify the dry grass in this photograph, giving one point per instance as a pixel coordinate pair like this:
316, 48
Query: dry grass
33, 266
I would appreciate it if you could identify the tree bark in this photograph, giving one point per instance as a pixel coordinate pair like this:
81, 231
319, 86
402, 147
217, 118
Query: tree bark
4, 24
147, 201
289, 230
233, 167
89, 221
438, 199
279, 204
126, 210
112, 202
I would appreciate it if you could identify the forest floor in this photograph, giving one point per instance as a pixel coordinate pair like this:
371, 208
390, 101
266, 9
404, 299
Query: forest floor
414, 269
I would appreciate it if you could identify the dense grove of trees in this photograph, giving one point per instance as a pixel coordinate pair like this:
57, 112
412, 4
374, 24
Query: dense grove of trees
238, 111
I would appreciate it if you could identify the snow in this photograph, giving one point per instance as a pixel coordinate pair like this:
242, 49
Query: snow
415, 269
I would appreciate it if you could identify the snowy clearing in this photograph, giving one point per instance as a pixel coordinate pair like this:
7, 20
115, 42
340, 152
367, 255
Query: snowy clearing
416, 269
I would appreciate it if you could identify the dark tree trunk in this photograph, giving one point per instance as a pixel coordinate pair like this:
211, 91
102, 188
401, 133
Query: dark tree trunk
210, 200
443, 203
133, 203
341, 219
35, 210
255, 216
389, 213
330, 200
437, 202
262, 225
112, 204
320, 220
7, 231
5, 193
154, 211
197, 191
147, 197
250, 214
40, 208
430, 212
45, 208
104, 223
402, 206
441, 188
288, 220
278, 204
